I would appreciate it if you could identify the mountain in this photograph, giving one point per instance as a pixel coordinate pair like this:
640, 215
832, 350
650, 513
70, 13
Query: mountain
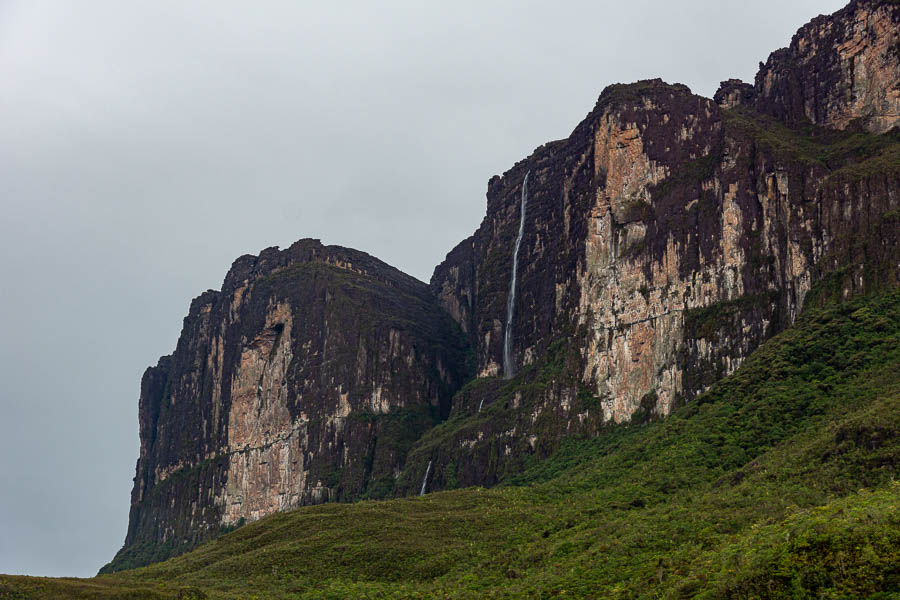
667, 237
779, 482
657, 248
305, 379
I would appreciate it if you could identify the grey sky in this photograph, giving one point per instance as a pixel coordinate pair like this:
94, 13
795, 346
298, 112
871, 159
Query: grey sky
145, 145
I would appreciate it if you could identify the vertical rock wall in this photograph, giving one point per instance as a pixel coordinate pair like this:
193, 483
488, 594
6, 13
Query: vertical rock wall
666, 238
669, 235
306, 379
838, 69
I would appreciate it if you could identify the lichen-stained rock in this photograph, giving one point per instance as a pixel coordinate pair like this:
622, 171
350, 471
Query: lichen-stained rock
665, 239
733, 93
838, 69
668, 236
455, 288
638, 273
305, 379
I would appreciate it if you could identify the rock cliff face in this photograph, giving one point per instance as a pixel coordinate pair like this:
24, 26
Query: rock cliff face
665, 239
838, 70
306, 379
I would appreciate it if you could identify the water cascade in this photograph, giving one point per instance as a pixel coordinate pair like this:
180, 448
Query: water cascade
511, 297
425, 479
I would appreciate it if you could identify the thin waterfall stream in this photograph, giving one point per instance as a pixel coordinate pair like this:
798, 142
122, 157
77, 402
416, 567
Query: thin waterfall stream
425, 479
508, 367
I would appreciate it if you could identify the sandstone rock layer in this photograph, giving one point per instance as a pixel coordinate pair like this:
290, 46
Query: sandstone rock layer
306, 379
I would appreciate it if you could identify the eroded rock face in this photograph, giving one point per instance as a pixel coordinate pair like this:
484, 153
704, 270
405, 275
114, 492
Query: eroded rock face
733, 93
627, 229
666, 238
633, 284
304, 380
838, 69
669, 235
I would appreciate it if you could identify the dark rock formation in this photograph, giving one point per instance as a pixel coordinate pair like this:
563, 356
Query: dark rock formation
306, 379
665, 239
838, 69
668, 236
733, 93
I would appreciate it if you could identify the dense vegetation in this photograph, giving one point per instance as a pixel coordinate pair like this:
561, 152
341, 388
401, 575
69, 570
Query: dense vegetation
779, 482
850, 154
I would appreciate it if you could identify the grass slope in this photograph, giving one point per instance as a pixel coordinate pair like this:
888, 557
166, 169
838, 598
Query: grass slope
779, 482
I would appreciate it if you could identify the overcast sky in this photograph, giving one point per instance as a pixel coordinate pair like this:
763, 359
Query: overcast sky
145, 145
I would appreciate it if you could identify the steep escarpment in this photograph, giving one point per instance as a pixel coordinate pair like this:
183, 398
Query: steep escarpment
667, 237
305, 379
780, 482
838, 70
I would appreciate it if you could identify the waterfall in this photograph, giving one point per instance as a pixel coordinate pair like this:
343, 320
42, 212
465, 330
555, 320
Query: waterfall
511, 297
425, 479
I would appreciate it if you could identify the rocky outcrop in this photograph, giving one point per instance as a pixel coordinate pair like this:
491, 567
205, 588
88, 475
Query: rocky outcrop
306, 379
733, 93
838, 69
665, 239
657, 206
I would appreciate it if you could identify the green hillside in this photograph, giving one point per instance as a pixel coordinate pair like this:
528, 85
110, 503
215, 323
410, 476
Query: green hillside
779, 482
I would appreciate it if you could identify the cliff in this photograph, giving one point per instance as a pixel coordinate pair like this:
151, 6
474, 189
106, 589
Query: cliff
838, 70
304, 380
665, 239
